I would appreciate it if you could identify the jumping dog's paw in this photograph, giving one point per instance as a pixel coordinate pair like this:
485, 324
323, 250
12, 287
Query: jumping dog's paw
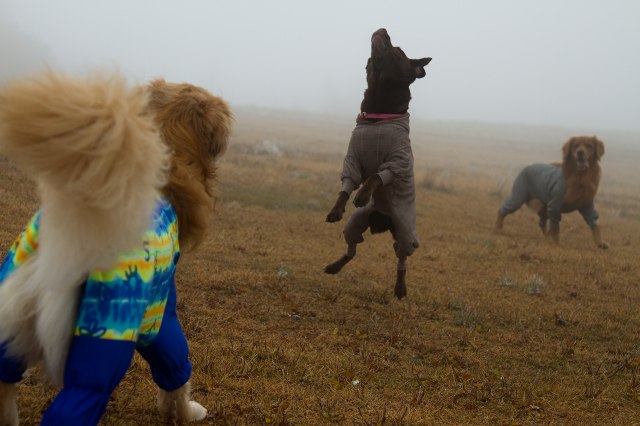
400, 290
602, 245
362, 199
366, 192
336, 266
338, 208
364, 195
334, 216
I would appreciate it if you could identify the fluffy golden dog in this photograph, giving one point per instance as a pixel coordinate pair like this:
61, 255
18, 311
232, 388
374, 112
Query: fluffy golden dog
125, 177
553, 189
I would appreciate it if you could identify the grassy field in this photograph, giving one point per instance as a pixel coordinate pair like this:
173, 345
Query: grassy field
496, 330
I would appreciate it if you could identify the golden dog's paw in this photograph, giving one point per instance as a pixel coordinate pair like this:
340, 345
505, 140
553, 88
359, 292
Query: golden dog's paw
602, 245
196, 412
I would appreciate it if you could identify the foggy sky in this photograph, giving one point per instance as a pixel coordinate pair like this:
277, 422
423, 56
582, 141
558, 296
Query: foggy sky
569, 63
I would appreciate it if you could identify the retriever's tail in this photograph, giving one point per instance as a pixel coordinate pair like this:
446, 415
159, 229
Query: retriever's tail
99, 162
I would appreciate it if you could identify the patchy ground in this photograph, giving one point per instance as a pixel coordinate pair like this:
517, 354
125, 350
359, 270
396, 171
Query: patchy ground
502, 330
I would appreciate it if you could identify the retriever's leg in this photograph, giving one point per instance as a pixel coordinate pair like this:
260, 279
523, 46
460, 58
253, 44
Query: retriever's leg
8, 406
168, 359
177, 405
400, 290
519, 196
499, 222
364, 194
542, 214
11, 372
553, 235
337, 211
595, 231
88, 385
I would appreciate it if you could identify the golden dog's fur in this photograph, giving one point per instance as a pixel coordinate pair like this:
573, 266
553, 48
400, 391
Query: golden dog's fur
98, 160
581, 169
101, 153
582, 180
197, 128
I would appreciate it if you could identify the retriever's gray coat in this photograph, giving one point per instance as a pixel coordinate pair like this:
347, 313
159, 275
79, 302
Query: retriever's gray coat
545, 182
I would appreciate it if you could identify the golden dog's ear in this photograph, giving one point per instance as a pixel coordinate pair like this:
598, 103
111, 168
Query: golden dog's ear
566, 148
196, 125
211, 120
158, 97
599, 148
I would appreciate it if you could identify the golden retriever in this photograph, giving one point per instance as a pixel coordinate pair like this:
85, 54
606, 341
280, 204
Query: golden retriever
553, 189
125, 178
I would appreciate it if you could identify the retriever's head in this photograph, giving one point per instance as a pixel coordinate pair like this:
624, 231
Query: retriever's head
196, 126
389, 74
582, 151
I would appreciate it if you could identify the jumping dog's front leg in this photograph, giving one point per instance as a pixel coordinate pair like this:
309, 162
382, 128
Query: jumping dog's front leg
364, 194
338, 208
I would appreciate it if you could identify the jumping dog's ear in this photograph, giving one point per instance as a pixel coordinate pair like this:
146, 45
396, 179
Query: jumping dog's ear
418, 66
599, 148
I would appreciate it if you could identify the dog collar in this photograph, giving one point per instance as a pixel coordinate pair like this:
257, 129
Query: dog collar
374, 116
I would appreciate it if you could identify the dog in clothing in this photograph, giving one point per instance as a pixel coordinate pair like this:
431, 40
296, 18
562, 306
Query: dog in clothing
125, 179
554, 189
380, 158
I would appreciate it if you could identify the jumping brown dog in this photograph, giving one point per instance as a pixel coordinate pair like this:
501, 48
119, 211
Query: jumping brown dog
380, 155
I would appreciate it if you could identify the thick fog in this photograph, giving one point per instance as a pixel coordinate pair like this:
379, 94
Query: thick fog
572, 63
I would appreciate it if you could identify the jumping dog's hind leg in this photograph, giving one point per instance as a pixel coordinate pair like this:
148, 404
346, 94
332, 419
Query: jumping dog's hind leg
401, 286
335, 267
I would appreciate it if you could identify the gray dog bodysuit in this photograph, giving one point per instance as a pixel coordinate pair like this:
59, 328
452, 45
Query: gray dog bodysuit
544, 182
382, 148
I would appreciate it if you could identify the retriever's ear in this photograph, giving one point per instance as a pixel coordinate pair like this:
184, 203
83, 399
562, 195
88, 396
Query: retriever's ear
566, 148
159, 93
599, 148
418, 66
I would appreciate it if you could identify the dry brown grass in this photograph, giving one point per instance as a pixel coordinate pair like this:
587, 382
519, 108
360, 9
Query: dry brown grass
499, 330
